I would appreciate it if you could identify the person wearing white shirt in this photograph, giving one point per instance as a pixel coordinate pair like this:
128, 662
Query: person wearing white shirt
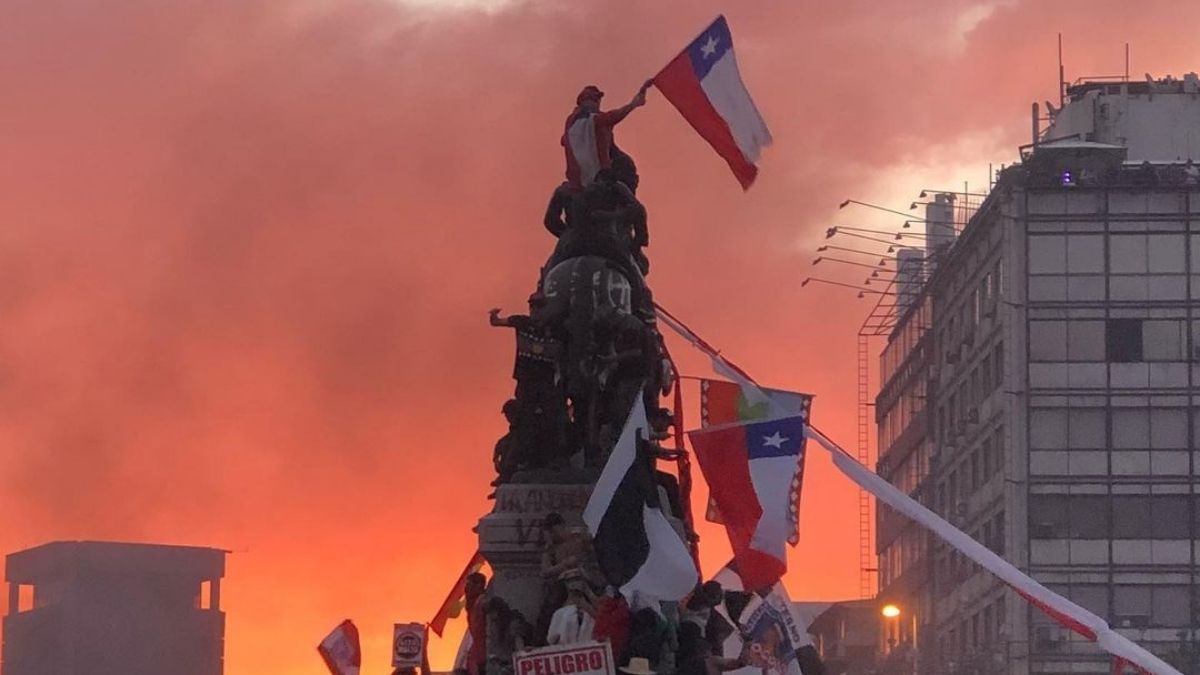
573, 621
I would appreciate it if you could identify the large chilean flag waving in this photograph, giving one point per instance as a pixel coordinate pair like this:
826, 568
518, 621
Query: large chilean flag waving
703, 83
750, 469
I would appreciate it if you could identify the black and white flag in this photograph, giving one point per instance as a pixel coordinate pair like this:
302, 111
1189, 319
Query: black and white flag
637, 548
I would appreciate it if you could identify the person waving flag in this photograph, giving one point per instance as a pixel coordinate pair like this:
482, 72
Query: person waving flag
704, 84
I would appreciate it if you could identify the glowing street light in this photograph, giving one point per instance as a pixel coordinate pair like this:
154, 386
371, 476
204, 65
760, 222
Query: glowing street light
890, 611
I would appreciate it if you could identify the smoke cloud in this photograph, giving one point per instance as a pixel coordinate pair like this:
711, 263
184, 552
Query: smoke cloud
248, 249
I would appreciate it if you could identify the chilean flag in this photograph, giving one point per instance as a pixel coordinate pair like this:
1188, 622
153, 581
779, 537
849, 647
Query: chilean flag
703, 83
749, 468
724, 402
341, 651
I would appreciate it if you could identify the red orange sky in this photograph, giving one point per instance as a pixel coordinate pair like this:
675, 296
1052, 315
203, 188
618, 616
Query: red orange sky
248, 249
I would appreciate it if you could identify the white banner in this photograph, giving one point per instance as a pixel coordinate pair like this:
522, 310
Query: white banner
581, 658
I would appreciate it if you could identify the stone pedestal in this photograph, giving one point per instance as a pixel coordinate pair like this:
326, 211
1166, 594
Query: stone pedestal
511, 538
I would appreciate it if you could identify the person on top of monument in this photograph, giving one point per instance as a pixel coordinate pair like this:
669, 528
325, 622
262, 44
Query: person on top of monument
539, 416
566, 550
506, 457
588, 136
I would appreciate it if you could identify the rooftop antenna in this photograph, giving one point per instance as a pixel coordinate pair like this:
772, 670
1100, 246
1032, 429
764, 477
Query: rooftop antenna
1126, 61
1062, 90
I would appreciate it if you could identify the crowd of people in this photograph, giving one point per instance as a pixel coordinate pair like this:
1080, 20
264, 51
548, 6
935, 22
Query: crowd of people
647, 637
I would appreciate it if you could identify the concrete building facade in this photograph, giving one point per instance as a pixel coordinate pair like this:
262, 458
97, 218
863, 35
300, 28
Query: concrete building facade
1041, 393
97, 608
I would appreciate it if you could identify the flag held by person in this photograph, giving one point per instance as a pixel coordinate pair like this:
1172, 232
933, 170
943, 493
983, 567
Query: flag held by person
750, 469
456, 600
636, 547
341, 651
704, 85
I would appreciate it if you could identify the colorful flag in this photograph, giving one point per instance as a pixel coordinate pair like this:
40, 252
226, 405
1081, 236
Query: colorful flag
341, 651
704, 84
724, 402
636, 546
778, 630
456, 600
750, 469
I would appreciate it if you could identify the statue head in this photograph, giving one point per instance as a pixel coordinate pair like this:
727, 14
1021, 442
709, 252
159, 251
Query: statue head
589, 97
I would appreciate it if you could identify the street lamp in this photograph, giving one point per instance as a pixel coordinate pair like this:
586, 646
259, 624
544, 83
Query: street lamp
890, 611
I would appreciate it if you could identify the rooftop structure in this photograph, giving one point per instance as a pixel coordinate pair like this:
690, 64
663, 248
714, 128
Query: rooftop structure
77, 607
1156, 120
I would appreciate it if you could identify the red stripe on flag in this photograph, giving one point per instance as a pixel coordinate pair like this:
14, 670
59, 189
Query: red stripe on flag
683, 464
679, 85
721, 453
1066, 621
438, 624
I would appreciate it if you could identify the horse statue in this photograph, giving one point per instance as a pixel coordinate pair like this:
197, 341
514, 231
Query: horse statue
594, 294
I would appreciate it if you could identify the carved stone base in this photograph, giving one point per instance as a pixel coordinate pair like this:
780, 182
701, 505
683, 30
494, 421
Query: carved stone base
511, 538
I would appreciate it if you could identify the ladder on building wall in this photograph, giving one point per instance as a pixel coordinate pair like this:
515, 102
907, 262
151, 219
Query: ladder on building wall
865, 554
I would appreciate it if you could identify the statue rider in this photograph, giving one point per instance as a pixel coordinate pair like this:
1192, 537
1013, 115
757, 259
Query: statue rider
595, 211
588, 136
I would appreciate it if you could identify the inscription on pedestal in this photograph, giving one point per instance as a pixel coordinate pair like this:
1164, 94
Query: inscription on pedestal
542, 499
511, 538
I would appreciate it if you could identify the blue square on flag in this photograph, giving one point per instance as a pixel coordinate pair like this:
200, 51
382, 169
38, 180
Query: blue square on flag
706, 50
705, 86
775, 438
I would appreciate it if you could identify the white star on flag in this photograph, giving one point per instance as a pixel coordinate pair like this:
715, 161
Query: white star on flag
775, 440
709, 47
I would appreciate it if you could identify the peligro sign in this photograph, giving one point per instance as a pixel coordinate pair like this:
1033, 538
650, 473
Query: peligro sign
582, 658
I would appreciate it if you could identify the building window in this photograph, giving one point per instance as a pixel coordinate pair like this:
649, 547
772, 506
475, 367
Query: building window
1158, 606
1164, 340
1085, 254
1127, 254
1048, 340
998, 532
1169, 517
1124, 340
1048, 428
987, 469
1068, 516
1047, 254
1150, 517
998, 365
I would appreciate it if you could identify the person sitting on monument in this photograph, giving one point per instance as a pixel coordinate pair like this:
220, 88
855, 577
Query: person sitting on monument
506, 456
574, 622
540, 418
588, 134
565, 550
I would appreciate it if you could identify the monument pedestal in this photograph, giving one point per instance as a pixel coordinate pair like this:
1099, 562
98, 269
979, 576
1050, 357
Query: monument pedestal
511, 538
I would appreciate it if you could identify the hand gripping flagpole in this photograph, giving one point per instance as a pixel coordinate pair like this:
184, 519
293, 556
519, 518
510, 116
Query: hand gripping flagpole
1064, 611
